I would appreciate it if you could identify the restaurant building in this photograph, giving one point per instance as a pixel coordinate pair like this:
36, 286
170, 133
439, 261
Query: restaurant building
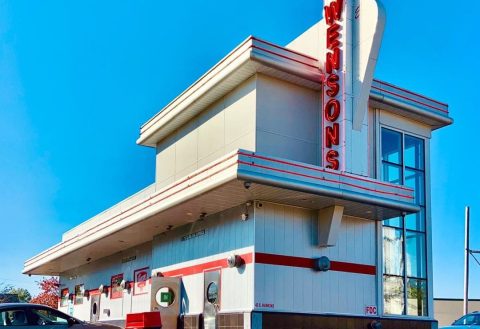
292, 190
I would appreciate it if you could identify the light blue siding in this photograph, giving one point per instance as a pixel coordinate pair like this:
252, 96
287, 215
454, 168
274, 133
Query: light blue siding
223, 232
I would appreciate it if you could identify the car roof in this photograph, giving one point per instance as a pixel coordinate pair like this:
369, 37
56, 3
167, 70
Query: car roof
21, 305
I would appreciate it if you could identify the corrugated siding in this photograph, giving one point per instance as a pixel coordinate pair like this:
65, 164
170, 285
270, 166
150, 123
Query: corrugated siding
223, 232
291, 231
100, 272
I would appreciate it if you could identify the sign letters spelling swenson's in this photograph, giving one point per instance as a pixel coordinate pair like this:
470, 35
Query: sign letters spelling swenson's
353, 31
332, 106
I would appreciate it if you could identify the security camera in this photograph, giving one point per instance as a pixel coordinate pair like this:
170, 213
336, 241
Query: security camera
247, 185
244, 216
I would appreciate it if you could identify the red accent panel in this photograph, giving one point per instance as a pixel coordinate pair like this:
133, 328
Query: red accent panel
353, 268
323, 179
293, 261
324, 171
283, 56
279, 47
200, 268
410, 99
283, 260
410, 92
94, 292
143, 320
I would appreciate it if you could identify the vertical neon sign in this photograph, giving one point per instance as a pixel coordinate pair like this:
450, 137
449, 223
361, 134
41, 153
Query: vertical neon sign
332, 107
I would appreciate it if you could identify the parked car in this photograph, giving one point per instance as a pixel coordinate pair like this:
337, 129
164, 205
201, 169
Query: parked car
470, 321
36, 316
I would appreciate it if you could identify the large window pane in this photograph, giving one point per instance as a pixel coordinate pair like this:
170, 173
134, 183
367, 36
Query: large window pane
393, 294
417, 297
416, 221
415, 248
392, 173
392, 251
414, 179
391, 146
394, 222
414, 157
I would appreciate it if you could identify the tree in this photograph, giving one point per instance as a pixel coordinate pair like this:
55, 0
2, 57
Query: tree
49, 292
23, 294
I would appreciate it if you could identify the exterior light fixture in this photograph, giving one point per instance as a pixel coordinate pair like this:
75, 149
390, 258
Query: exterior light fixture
321, 264
234, 261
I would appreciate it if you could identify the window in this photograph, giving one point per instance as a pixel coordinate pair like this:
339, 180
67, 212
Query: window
42, 316
469, 319
34, 316
13, 318
404, 240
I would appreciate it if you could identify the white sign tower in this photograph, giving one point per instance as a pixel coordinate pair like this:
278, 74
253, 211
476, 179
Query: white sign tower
352, 31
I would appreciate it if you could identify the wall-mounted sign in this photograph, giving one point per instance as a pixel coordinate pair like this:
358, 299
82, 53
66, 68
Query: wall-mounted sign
128, 259
332, 106
116, 287
79, 292
64, 297
193, 235
140, 281
370, 310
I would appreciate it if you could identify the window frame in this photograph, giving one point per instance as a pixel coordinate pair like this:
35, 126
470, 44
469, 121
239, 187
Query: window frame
424, 229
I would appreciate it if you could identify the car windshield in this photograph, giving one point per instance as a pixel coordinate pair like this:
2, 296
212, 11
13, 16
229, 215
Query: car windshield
469, 319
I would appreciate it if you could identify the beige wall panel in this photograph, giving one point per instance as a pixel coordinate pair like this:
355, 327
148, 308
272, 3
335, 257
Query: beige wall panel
186, 150
211, 132
167, 160
240, 112
286, 147
227, 125
287, 120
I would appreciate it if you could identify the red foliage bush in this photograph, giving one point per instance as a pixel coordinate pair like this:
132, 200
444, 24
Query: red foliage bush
49, 292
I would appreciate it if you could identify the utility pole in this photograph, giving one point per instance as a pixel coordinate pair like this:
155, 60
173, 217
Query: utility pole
467, 263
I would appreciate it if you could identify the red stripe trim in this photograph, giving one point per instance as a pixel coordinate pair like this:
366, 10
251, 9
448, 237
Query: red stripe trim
283, 48
302, 262
322, 179
410, 92
325, 171
284, 56
272, 259
410, 99
200, 268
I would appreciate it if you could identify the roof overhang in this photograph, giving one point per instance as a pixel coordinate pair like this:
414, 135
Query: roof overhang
214, 188
409, 104
257, 56
250, 57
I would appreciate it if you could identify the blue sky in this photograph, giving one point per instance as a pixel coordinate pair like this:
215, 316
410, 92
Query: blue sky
78, 78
